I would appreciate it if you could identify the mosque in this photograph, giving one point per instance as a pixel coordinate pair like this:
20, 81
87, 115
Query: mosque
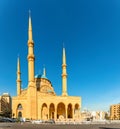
39, 100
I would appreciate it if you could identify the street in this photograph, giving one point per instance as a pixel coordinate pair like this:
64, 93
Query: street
56, 126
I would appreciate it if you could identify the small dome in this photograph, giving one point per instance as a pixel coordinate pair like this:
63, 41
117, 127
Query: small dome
38, 76
43, 76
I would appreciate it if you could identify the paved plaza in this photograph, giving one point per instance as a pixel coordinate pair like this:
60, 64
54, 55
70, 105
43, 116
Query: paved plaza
56, 126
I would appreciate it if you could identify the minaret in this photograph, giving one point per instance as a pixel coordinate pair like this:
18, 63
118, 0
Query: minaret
18, 78
31, 91
64, 75
30, 56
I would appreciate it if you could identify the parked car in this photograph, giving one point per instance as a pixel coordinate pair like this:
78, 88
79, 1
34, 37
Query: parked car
51, 121
15, 119
36, 121
6, 119
27, 120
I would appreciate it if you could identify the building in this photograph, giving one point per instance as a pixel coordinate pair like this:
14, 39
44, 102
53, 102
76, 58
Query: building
85, 115
98, 115
93, 115
5, 105
115, 112
39, 100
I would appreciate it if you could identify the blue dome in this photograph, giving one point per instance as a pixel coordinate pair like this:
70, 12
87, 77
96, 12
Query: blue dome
38, 76
43, 76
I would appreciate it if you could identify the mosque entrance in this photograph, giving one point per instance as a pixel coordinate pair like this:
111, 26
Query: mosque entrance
61, 111
19, 110
44, 112
69, 110
19, 114
77, 110
51, 111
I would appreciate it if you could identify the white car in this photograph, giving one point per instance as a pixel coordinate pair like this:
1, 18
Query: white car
36, 121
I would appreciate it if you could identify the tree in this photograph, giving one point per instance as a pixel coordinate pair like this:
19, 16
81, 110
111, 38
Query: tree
107, 116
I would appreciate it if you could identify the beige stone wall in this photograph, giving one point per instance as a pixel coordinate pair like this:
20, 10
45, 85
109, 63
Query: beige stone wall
15, 102
65, 101
47, 106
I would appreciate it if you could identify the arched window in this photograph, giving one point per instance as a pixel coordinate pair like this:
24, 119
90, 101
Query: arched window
76, 106
19, 107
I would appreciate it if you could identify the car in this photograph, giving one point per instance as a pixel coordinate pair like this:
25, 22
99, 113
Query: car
15, 119
37, 121
1, 120
6, 119
51, 121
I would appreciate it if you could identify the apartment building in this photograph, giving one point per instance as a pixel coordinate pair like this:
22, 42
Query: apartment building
5, 104
115, 112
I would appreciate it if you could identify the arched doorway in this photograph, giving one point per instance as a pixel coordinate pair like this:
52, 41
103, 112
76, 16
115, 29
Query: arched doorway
61, 111
52, 111
69, 110
19, 110
44, 111
77, 111
19, 114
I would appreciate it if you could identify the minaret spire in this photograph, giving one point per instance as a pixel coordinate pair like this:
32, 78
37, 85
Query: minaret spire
30, 28
18, 77
18, 65
64, 74
64, 57
44, 71
30, 57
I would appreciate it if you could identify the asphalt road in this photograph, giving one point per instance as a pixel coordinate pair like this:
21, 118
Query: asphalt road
56, 126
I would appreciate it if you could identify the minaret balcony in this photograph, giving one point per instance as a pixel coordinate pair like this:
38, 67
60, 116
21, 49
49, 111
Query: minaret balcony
64, 75
18, 80
30, 43
31, 57
64, 65
18, 72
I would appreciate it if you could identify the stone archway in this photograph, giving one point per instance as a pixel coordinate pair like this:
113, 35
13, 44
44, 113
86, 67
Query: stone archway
19, 110
69, 111
76, 106
77, 111
51, 111
61, 111
44, 111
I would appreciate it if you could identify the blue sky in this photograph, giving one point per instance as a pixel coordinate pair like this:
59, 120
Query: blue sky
90, 30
